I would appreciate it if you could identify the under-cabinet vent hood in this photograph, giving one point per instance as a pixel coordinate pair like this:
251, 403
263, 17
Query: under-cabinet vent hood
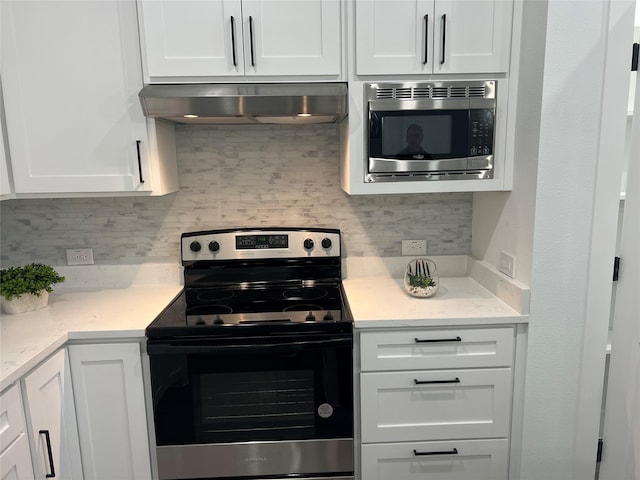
291, 103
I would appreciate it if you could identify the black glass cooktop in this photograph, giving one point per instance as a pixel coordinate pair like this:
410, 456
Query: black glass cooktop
274, 308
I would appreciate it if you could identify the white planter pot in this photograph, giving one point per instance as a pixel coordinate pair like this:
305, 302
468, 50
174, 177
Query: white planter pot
26, 302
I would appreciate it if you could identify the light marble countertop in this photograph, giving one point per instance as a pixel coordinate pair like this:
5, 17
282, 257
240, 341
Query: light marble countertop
118, 302
116, 313
383, 302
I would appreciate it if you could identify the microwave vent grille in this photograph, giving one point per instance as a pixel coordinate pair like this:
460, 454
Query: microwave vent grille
431, 91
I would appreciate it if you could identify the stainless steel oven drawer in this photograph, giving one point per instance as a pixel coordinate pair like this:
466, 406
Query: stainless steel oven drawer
256, 458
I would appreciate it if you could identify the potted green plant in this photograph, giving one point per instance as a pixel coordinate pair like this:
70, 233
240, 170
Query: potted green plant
27, 288
421, 278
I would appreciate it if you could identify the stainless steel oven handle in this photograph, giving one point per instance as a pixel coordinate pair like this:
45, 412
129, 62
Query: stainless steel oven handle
185, 348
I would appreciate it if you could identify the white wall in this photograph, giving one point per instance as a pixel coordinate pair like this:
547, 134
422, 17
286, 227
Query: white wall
503, 221
564, 370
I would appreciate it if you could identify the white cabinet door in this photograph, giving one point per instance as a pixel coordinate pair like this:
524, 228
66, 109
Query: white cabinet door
15, 456
110, 407
192, 38
51, 425
227, 38
472, 36
5, 185
435, 404
423, 37
290, 37
450, 460
394, 36
71, 75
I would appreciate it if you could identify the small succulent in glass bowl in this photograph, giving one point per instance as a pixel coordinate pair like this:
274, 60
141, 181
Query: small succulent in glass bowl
421, 278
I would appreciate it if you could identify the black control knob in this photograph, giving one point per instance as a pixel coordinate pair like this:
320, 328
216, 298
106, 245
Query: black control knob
195, 246
326, 243
214, 246
327, 317
310, 317
308, 244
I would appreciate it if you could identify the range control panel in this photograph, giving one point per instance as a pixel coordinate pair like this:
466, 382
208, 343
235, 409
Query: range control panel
259, 244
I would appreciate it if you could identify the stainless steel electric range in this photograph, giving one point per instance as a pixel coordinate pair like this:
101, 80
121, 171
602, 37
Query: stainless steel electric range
251, 366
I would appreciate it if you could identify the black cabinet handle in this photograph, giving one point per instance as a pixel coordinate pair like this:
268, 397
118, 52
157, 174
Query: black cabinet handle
253, 61
138, 142
444, 36
426, 39
47, 439
233, 41
438, 340
430, 382
445, 452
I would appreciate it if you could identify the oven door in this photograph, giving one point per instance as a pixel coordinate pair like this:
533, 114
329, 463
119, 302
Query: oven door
253, 406
423, 137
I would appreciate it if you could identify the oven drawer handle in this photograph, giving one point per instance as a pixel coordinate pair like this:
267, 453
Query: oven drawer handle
168, 348
445, 452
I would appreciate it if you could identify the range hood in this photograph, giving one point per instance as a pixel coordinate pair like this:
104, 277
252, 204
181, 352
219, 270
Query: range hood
290, 103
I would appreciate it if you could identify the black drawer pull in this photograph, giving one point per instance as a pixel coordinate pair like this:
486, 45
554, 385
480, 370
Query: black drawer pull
446, 452
47, 438
440, 340
427, 382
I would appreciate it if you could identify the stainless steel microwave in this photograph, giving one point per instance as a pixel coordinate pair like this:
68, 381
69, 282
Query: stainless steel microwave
430, 130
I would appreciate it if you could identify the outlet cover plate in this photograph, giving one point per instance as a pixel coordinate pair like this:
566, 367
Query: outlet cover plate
414, 247
79, 256
507, 264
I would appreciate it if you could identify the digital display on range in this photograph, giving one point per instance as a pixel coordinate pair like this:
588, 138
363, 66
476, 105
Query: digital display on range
254, 242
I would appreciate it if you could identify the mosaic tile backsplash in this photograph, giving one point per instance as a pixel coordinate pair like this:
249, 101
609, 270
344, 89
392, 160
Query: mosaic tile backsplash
235, 176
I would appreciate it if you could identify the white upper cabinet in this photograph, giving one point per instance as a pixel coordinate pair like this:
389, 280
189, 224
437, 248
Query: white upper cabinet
71, 75
432, 37
240, 38
5, 186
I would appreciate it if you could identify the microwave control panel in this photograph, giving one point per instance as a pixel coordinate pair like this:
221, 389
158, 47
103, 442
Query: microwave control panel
481, 132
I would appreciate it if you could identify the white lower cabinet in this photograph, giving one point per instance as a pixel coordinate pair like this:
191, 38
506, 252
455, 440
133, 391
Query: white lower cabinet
436, 403
111, 411
51, 419
15, 457
429, 405
458, 460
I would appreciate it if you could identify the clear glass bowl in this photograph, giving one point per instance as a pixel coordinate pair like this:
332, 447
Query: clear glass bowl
421, 278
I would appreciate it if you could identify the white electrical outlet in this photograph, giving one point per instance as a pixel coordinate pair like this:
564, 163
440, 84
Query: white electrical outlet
414, 247
507, 264
80, 256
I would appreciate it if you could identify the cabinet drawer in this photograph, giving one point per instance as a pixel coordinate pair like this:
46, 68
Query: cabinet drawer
435, 405
11, 417
15, 462
451, 460
437, 348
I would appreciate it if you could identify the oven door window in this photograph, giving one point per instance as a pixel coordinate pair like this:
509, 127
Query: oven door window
419, 135
253, 393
